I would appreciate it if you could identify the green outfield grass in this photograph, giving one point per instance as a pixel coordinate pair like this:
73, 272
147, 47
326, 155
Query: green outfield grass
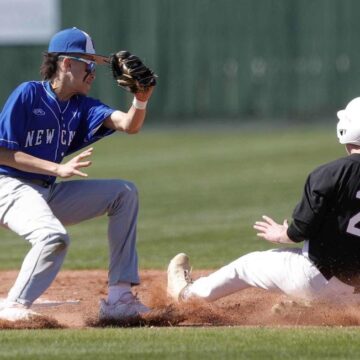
182, 343
200, 192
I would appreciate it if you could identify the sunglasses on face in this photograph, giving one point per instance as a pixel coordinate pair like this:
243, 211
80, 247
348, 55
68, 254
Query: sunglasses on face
90, 65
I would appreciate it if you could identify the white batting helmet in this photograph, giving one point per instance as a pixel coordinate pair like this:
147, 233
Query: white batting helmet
348, 127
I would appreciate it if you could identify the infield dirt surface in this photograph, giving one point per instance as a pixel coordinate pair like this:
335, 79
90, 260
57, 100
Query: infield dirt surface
252, 307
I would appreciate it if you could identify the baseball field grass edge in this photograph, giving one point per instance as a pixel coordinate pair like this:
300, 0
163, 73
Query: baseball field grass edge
182, 343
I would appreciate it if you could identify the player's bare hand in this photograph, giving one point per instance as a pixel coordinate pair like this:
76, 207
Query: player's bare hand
146, 94
271, 231
71, 168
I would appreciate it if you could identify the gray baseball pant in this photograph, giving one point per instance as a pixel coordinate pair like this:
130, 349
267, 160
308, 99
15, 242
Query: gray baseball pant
39, 215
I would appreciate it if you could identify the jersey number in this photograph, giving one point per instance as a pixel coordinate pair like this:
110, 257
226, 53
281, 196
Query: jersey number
352, 229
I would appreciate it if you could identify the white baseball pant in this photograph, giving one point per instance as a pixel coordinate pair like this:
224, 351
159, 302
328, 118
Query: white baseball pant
39, 214
288, 270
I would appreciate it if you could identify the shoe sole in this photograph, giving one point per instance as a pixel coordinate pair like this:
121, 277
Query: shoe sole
180, 260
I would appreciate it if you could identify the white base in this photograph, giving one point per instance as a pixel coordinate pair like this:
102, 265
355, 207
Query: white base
41, 303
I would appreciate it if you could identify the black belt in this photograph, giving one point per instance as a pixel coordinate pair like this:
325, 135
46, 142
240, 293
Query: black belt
40, 182
326, 272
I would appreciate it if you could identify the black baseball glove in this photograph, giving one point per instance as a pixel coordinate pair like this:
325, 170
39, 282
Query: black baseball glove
130, 72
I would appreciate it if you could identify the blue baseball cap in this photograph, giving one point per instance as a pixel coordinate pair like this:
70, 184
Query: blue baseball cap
75, 41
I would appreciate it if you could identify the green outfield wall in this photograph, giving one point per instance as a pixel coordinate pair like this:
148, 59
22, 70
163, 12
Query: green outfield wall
220, 59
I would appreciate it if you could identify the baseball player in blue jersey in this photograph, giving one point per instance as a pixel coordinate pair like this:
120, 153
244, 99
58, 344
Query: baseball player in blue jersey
326, 219
40, 124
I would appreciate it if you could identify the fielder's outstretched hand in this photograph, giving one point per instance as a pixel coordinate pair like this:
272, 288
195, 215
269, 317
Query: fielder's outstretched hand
272, 231
145, 94
72, 167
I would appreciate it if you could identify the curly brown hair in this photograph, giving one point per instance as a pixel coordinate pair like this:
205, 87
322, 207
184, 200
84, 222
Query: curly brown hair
49, 65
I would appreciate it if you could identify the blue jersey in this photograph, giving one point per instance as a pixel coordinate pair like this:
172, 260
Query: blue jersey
35, 122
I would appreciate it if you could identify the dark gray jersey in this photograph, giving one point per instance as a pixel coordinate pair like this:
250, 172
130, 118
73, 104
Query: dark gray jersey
328, 216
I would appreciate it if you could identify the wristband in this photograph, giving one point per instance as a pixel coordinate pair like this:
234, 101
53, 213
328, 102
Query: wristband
140, 105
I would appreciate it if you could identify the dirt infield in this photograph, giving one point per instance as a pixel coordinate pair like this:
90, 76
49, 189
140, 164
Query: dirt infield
72, 302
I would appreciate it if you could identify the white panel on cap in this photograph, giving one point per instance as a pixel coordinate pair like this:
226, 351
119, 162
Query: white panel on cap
89, 44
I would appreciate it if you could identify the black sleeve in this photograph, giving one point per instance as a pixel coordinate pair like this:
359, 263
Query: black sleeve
309, 214
296, 231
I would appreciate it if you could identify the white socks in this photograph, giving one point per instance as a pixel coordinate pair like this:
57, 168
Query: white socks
116, 292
